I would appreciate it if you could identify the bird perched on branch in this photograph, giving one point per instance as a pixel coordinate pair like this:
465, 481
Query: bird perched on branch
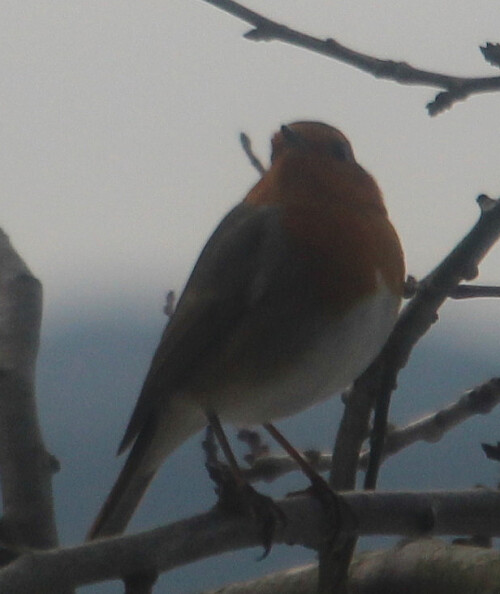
291, 299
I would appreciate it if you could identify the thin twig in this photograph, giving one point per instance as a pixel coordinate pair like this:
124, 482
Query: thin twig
170, 304
246, 143
460, 292
431, 428
471, 291
456, 88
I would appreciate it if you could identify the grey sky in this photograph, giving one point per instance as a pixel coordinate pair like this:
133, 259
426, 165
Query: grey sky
120, 124
119, 154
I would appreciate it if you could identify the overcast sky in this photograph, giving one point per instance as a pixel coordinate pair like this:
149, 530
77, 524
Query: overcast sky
120, 123
119, 129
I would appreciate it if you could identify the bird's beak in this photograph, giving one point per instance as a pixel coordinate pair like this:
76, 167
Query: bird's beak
292, 138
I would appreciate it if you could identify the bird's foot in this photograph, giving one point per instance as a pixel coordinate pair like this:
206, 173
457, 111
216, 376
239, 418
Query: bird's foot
239, 498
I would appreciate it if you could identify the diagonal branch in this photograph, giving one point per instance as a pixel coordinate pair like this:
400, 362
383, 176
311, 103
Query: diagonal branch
431, 428
455, 88
421, 312
377, 383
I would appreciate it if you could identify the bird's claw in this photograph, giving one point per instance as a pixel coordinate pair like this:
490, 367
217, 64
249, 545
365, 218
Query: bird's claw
239, 498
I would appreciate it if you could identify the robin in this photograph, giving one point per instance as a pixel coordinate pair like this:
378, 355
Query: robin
291, 299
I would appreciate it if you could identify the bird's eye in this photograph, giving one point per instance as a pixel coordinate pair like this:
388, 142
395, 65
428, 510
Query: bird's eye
341, 151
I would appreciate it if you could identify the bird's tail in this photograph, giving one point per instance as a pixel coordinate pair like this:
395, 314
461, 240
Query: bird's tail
154, 443
127, 491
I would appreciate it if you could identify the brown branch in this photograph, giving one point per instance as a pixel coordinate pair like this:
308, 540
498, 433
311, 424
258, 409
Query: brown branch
456, 88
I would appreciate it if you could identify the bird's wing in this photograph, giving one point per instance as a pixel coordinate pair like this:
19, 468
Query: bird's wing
230, 275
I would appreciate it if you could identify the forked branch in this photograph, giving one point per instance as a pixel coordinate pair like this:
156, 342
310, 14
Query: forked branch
454, 88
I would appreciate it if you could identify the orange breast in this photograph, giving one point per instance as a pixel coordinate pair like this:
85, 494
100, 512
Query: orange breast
335, 215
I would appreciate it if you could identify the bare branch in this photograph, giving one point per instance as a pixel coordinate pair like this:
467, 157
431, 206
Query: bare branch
421, 312
456, 88
254, 160
409, 567
470, 291
25, 466
491, 53
411, 514
377, 383
459, 292
169, 307
142, 583
492, 451
431, 428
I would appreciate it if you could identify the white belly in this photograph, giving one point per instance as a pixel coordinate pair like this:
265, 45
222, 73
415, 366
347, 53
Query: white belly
344, 351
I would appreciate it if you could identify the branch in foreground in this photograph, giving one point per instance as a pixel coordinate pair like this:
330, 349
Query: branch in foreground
431, 428
378, 382
456, 88
411, 514
423, 565
461, 264
25, 466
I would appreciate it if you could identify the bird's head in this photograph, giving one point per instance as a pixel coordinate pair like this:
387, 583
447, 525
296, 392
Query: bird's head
313, 166
311, 138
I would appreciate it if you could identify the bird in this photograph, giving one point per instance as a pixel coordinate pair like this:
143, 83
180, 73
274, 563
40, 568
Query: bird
292, 297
